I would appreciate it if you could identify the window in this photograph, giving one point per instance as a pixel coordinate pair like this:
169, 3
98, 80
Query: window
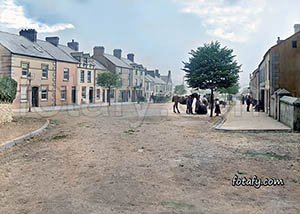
63, 93
98, 94
44, 71
89, 76
44, 93
25, 69
136, 72
136, 82
23, 94
294, 44
81, 76
66, 74
83, 92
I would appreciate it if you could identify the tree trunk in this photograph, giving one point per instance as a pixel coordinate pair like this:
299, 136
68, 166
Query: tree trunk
108, 96
211, 102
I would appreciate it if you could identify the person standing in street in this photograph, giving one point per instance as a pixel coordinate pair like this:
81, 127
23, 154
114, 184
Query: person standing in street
248, 102
217, 109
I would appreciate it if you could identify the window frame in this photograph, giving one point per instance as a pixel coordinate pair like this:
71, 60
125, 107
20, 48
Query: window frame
65, 93
22, 100
89, 76
24, 63
44, 99
68, 74
83, 95
98, 92
82, 73
47, 71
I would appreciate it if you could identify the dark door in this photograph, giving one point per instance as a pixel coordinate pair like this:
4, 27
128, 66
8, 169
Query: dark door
35, 96
74, 94
91, 94
103, 96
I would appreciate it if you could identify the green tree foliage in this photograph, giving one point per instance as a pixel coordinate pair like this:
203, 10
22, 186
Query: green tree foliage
179, 90
231, 90
212, 67
8, 89
109, 80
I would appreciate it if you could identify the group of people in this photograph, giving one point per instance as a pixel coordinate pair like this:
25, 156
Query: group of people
248, 100
201, 105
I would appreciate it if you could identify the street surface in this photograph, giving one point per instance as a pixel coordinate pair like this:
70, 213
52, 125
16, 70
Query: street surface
145, 159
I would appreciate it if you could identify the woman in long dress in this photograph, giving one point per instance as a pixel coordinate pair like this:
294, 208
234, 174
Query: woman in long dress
217, 109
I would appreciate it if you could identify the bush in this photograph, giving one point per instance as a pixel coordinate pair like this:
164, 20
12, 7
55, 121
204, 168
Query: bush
8, 89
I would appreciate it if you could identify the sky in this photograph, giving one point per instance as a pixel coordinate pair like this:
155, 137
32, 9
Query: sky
160, 33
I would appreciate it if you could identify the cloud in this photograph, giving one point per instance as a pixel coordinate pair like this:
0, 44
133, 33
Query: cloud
232, 20
13, 16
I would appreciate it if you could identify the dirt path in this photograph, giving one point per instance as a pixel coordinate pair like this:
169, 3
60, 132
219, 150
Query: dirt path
100, 161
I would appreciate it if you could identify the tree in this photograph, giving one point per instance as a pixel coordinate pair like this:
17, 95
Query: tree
180, 90
212, 67
109, 80
8, 89
231, 90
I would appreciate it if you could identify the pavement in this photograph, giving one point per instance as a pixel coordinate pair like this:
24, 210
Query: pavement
238, 119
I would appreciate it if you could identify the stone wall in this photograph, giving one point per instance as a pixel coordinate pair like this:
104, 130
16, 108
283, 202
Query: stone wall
290, 112
6, 113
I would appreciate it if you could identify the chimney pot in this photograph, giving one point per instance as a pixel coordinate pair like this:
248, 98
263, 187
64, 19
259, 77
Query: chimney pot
30, 34
53, 40
118, 53
99, 51
73, 45
297, 28
130, 57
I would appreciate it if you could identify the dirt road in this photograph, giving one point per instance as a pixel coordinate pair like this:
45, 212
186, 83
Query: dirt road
118, 161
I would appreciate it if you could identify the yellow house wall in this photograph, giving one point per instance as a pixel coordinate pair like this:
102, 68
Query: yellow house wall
35, 67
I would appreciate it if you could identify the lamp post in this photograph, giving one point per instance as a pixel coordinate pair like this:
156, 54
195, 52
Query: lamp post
29, 77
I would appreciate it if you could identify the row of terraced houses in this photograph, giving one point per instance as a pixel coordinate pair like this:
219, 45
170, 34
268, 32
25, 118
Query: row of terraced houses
51, 74
275, 84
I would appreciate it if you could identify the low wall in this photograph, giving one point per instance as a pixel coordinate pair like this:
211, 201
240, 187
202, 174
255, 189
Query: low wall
290, 112
6, 113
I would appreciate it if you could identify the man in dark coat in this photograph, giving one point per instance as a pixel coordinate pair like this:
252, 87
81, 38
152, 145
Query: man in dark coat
248, 102
189, 103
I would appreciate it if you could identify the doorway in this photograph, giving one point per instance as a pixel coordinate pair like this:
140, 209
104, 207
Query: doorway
35, 96
73, 94
91, 94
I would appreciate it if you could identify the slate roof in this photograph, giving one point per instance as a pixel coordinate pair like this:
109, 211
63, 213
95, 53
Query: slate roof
116, 61
66, 49
149, 78
98, 65
56, 52
155, 79
22, 46
166, 79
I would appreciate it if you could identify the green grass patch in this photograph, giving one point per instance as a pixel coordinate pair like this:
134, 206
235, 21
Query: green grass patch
59, 137
84, 124
54, 122
130, 131
241, 172
177, 205
269, 154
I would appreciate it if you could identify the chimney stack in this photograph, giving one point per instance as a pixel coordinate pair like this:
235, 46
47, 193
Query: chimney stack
99, 51
30, 34
73, 45
53, 40
157, 73
297, 28
169, 75
130, 57
118, 53
278, 40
